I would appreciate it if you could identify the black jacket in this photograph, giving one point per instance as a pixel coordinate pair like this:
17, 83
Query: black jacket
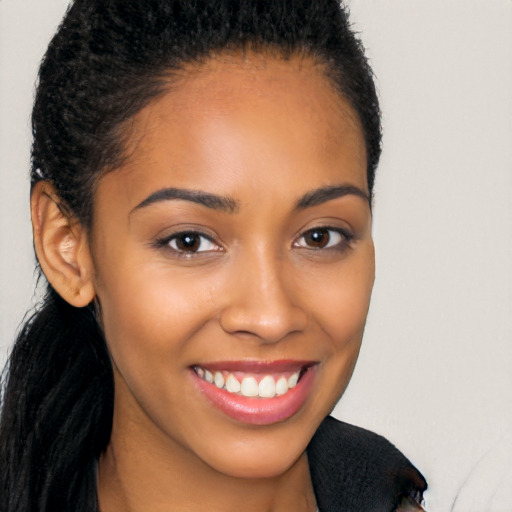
354, 470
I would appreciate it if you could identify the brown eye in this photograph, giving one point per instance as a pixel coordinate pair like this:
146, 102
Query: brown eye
191, 242
317, 238
188, 242
324, 238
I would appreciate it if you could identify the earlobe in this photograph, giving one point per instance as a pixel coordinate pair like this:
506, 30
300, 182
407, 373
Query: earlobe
61, 246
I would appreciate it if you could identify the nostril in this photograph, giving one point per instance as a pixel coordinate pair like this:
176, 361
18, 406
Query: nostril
268, 324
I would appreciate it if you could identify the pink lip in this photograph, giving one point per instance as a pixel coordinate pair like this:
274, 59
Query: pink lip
259, 411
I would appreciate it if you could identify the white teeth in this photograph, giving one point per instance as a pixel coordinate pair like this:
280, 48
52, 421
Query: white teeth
249, 386
267, 387
281, 386
292, 381
219, 380
232, 384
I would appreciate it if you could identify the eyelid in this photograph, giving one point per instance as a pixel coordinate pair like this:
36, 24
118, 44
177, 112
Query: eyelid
201, 237
345, 234
165, 240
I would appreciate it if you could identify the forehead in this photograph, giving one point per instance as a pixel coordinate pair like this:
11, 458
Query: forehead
239, 117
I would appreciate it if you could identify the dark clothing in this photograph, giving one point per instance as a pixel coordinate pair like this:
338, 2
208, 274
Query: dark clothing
354, 470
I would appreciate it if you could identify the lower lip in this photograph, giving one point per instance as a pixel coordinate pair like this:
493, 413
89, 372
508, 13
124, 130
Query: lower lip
259, 411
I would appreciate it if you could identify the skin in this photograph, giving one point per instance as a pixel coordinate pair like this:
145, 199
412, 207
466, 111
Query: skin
264, 133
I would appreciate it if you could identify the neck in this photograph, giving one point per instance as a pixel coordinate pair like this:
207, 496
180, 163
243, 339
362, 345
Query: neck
137, 474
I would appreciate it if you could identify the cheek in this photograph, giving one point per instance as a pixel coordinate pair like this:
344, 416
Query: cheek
342, 312
344, 300
149, 316
349, 310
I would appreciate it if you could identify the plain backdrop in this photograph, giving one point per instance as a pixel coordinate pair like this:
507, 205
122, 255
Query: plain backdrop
435, 371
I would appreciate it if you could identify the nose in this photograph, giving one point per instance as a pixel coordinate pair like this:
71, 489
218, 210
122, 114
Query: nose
262, 301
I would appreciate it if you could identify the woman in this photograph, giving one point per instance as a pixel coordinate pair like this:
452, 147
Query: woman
201, 204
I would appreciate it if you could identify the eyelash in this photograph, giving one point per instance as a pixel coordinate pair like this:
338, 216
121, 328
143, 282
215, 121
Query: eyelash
166, 243
345, 238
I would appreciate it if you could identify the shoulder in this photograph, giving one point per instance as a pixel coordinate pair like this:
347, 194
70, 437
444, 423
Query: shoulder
353, 469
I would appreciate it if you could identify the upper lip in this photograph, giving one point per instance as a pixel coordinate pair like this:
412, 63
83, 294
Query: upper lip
251, 366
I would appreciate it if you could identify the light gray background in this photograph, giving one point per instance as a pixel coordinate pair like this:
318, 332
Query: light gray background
435, 372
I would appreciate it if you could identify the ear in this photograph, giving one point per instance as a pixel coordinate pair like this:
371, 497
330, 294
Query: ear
61, 246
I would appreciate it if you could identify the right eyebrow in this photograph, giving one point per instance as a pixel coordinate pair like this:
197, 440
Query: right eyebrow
212, 201
324, 194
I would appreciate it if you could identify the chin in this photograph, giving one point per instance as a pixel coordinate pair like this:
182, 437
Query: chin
257, 466
258, 452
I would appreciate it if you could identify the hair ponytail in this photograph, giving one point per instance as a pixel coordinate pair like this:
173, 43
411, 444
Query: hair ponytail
56, 412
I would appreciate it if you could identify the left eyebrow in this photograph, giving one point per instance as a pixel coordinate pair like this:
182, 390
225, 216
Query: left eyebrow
324, 194
212, 201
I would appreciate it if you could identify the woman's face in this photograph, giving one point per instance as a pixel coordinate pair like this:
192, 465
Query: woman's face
235, 245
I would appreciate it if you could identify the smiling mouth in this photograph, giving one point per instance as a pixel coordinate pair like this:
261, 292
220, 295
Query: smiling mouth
249, 384
256, 392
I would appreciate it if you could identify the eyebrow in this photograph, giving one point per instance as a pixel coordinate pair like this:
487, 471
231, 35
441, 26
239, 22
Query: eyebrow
324, 194
212, 201
230, 205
